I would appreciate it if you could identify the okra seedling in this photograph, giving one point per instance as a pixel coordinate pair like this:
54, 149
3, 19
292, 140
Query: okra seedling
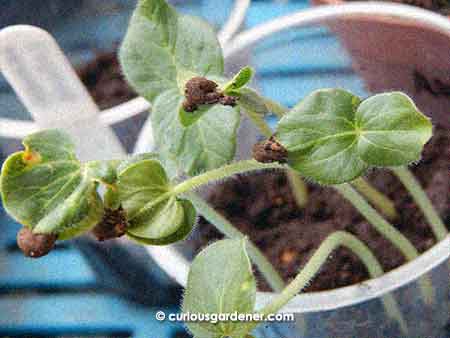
331, 137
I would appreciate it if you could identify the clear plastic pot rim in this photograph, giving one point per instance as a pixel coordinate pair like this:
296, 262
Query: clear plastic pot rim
177, 267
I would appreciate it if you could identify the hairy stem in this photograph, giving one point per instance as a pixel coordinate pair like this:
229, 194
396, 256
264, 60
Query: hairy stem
278, 109
260, 123
422, 200
331, 243
388, 231
221, 173
377, 198
380, 224
299, 188
225, 227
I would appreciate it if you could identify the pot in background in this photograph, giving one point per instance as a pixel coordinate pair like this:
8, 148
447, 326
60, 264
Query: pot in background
396, 54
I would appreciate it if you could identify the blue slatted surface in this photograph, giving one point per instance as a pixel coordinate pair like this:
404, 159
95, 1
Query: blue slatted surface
62, 269
86, 314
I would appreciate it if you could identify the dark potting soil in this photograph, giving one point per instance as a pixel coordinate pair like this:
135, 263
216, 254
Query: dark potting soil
262, 206
103, 79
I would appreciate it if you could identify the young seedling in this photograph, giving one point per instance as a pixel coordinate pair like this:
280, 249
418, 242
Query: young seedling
331, 137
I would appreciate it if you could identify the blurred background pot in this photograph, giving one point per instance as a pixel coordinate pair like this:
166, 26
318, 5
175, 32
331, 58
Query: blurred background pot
398, 54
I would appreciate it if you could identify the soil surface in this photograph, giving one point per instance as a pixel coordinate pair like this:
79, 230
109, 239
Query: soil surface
103, 79
263, 207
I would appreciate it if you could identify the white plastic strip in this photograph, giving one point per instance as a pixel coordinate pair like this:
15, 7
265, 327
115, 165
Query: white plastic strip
45, 82
171, 261
235, 21
16, 128
124, 111
145, 142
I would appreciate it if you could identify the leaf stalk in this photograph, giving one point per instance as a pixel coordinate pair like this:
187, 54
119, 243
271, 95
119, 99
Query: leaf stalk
376, 197
422, 200
222, 173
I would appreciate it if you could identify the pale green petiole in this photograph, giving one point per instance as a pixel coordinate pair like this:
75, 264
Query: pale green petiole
299, 188
275, 107
378, 199
420, 197
222, 173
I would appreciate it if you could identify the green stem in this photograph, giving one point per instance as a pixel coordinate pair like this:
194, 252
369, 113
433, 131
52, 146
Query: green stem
276, 108
260, 123
299, 188
224, 226
380, 224
422, 200
221, 173
377, 198
388, 231
331, 243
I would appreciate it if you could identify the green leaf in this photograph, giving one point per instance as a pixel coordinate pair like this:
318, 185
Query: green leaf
220, 281
48, 190
393, 130
154, 215
333, 138
207, 144
243, 77
190, 218
162, 49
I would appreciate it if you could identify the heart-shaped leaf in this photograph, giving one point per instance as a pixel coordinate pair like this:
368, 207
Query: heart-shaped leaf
154, 215
48, 190
207, 144
333, 138
220, 281
162, 49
